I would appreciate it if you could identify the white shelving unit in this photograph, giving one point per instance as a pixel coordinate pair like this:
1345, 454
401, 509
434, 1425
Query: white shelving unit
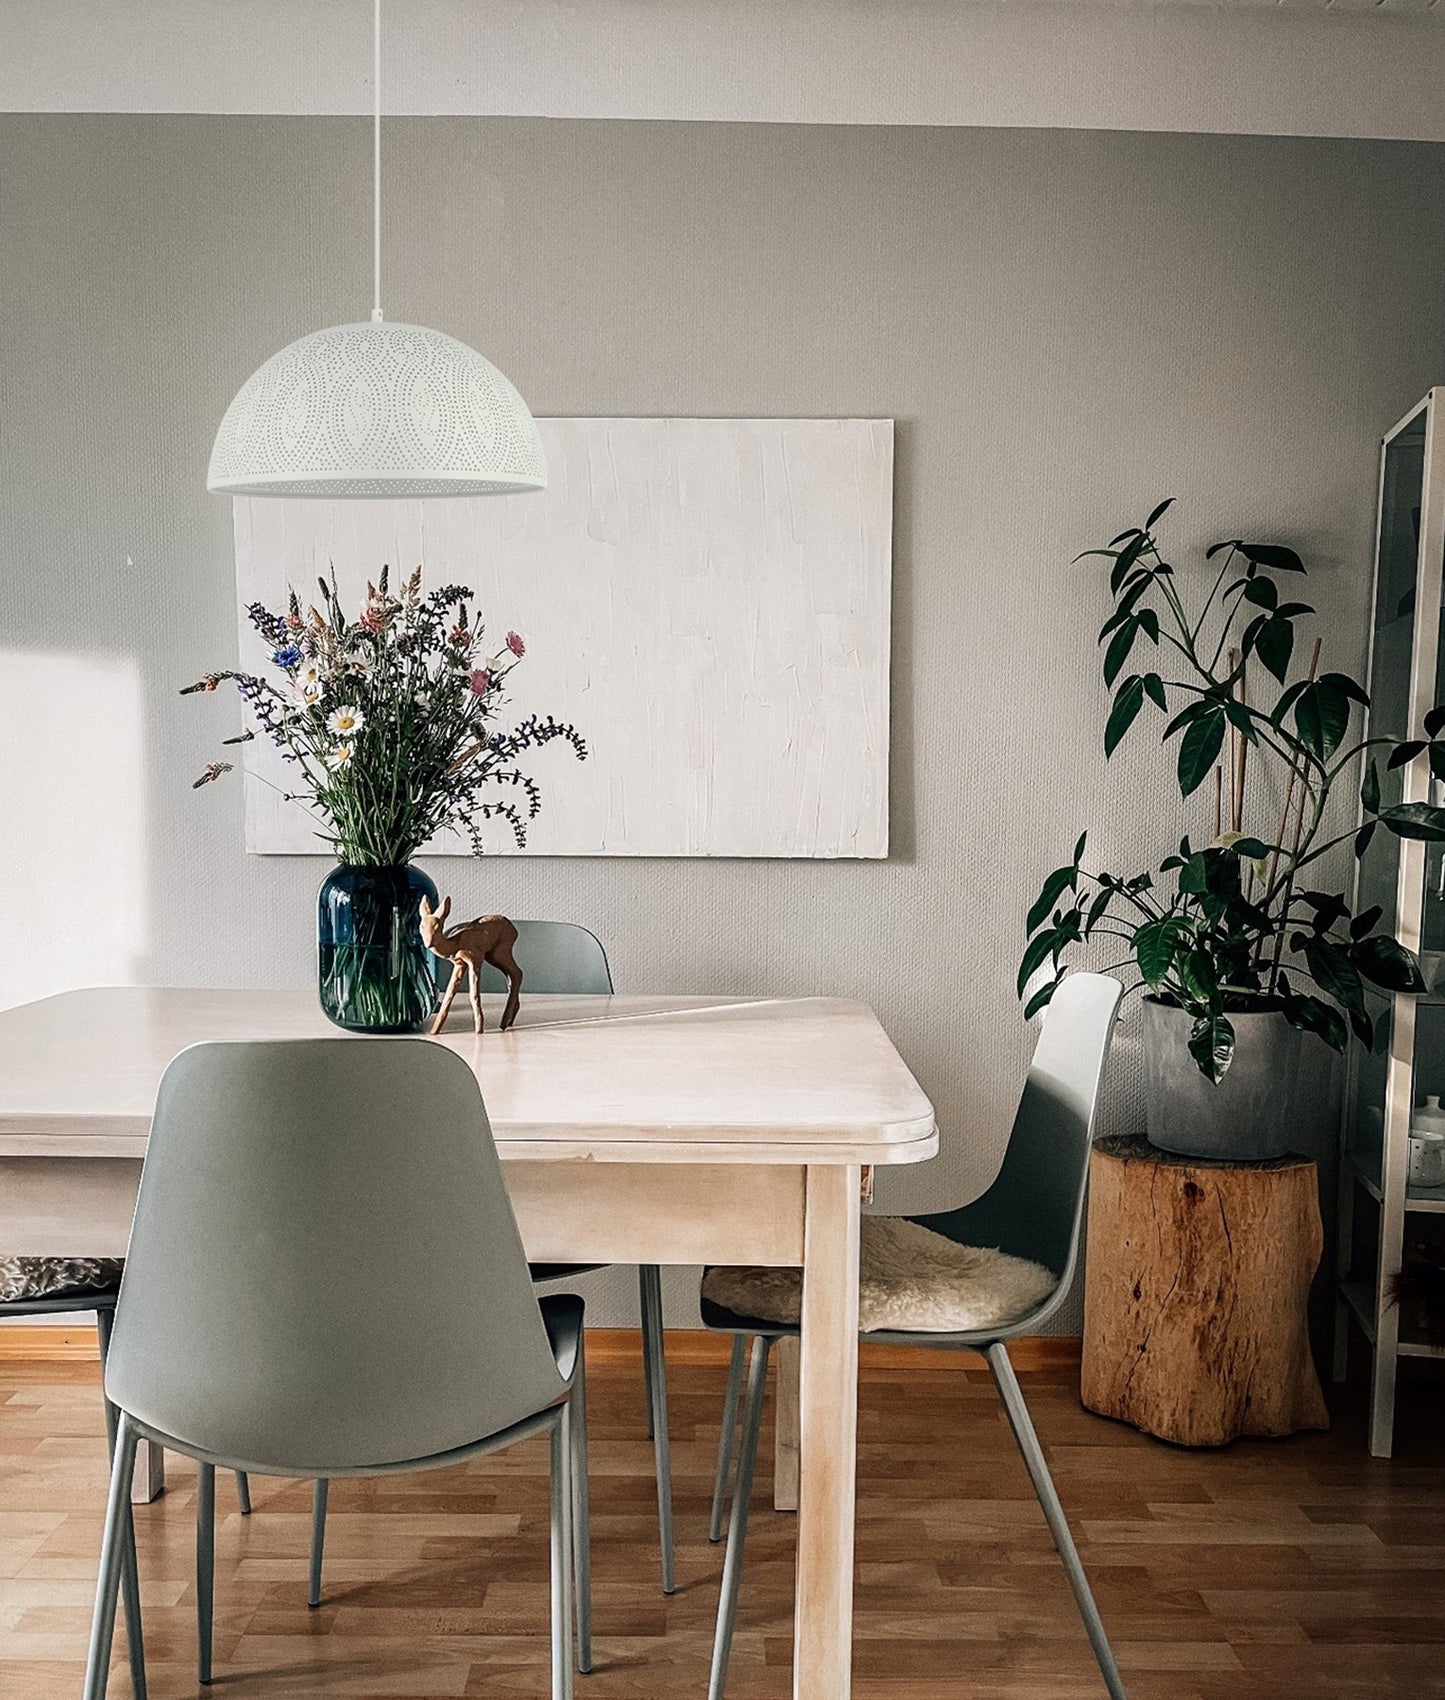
1406, 678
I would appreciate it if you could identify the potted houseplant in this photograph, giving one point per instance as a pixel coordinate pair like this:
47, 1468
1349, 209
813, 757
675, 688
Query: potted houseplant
388, 722
1238, 951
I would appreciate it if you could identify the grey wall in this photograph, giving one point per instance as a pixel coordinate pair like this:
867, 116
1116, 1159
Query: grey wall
1066, 325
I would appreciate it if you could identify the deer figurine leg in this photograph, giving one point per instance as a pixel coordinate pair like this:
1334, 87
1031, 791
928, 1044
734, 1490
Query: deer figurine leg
501, 958
439, 1020
474, 992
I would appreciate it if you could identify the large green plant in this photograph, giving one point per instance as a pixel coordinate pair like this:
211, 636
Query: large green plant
1236, 925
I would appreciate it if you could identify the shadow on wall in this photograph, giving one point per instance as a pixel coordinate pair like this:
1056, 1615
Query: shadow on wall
73, 907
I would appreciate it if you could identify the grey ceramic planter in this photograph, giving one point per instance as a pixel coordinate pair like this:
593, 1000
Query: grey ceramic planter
1249, 1115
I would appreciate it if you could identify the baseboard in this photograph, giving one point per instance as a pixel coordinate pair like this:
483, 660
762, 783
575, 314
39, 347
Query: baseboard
42, 1343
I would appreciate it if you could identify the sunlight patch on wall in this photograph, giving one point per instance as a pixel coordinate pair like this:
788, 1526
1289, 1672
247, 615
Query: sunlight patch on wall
73, 900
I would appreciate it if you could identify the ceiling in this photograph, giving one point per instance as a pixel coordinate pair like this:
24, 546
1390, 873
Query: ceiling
1287, 67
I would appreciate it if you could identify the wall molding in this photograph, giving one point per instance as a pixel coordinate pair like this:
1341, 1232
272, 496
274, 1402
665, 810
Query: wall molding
606, 1348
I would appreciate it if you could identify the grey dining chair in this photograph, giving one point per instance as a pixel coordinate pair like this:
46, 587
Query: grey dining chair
1032, 1210
562, 957
325, 1278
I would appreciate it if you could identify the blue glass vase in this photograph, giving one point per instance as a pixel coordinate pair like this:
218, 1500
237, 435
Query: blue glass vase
374, 974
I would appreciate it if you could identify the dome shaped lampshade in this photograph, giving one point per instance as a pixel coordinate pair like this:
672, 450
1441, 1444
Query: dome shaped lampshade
381, 410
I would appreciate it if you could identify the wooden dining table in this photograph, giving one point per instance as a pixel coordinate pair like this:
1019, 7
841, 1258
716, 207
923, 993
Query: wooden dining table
666, 1130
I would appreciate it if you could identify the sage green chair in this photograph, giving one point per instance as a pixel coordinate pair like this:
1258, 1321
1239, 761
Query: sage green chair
1033, 1210
325, 1278
561, 957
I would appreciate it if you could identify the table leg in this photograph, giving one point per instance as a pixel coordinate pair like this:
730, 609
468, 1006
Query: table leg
149, 1481
828, 1424
785, 1427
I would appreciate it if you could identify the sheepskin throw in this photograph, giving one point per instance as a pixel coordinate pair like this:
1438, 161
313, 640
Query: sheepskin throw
50, 1277
909, 1279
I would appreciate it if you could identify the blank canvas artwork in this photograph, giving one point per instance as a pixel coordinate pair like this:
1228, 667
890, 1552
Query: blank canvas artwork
706, 599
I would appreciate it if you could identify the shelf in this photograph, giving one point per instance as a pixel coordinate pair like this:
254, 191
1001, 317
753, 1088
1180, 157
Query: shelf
1420, 1200
1360, 1297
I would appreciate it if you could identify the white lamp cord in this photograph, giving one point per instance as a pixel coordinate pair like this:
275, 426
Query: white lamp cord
376, 158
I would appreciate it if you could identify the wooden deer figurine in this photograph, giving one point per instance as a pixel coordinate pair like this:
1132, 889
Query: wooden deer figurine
490, 938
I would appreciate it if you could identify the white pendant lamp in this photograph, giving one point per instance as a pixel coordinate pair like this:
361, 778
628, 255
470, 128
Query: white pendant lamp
376, 409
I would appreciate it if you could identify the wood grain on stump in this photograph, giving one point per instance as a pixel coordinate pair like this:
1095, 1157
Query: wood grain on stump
1195, 1294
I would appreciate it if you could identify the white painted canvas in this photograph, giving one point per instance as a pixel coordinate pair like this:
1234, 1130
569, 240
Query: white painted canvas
707, 599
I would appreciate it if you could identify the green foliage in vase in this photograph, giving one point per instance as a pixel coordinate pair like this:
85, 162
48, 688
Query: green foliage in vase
1236, 924
389, 719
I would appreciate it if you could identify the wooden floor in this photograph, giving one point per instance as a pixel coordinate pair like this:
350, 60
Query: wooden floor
1295, 1570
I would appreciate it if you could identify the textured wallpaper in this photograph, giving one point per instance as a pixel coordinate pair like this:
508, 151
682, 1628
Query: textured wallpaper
1066, 327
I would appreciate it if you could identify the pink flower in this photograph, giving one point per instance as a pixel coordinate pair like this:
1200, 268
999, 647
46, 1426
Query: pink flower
481, 682
515, 644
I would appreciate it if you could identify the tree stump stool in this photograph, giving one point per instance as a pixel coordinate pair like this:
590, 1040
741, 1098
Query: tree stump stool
1195, 1294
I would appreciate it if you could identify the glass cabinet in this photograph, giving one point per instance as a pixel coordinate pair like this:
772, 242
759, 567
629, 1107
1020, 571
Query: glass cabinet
1385, 1216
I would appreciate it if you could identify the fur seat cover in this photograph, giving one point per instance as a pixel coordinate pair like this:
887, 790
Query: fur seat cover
909, 1279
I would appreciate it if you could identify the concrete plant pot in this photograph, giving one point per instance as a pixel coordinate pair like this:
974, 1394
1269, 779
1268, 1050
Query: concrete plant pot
1249, 1115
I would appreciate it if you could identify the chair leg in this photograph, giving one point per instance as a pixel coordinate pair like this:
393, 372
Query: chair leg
649, 1279
562, 1560
1033, 1455
574, 1419
319, 1491
130, 1572
112, 1561
727, 1435
727, 1609
205, 1566
243, 1492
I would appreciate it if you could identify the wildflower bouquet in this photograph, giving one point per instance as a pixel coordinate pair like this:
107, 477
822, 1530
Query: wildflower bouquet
388, 719
389, 723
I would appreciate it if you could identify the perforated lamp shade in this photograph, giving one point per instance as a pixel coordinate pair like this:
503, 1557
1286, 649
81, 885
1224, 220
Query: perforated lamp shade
377, 409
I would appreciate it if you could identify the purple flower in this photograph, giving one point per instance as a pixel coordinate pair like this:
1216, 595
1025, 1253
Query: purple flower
481, 682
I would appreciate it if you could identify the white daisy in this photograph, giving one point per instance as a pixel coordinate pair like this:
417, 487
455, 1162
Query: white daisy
345, 721
341, 755
358, 661
311, 693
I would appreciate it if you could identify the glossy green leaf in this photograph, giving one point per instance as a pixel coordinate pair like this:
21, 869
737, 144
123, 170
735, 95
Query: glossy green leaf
1274, 556
1415, 820
1199, 750
1274, 644
1386, 962
1155, 945
1119, 646
1405, 752
1040, 998
1054, 887
1321, 717
1211, 1044
1158, 513
1124, 712
1370, 789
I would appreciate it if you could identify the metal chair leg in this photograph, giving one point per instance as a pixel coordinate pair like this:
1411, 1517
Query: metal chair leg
574, 1419
1033, 1455
646, 1317
243, 1492
562, 1560
205, 1566
727, 1435
319, 1492
650, 1291
112, 1561
130, 1572
732, 1575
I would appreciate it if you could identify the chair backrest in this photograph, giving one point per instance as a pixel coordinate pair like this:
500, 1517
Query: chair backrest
1035, 1205
324, 1269
556, 956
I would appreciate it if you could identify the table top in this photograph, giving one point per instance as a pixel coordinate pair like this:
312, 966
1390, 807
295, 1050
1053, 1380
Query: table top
621, 1079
